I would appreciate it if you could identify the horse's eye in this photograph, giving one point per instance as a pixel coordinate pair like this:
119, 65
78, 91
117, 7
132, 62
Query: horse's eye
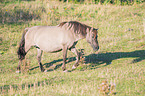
96, 37
93, 36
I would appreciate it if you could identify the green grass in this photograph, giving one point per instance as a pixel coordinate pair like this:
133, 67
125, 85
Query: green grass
121, 58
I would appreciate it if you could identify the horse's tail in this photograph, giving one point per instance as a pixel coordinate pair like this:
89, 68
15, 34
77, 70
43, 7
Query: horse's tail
21, 50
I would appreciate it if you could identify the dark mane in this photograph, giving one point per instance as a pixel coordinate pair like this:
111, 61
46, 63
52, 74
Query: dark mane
78, 27
61, 24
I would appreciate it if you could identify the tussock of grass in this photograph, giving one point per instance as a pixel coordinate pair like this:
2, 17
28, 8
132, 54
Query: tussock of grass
120, 59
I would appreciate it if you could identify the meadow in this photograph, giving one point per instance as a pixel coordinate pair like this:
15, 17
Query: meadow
120, 59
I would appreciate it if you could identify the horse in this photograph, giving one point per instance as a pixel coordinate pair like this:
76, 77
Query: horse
56, 38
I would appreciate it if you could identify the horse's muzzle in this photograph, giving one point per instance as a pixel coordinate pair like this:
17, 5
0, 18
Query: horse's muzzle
96, 48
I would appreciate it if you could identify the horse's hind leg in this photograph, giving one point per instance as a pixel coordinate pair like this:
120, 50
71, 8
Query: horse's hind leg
39, 60
22, 51
19, 66
74, 50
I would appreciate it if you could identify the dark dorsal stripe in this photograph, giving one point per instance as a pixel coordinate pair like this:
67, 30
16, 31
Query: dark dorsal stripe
79, 28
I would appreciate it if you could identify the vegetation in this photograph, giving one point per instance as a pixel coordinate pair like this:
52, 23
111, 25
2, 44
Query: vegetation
118, 2
120, 60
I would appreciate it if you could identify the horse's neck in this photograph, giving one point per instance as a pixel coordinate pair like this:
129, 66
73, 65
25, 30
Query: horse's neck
79, 36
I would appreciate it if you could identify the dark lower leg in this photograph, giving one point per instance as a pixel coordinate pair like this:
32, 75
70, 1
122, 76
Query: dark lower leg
19, 66
39, 60
77, 58
41, 67
64, 58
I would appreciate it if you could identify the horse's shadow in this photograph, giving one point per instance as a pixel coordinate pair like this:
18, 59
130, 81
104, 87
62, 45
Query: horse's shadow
107, 58
102, 58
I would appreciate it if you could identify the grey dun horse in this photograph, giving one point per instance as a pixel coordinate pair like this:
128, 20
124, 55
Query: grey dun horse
56, 38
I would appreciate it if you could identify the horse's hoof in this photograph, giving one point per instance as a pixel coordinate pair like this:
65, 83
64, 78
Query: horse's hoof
45, 70
65, 71
73, 67
18, 71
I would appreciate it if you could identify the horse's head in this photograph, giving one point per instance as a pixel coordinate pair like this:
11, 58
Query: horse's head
91, 38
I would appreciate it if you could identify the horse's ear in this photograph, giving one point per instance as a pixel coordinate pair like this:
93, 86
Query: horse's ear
87, 30
97, 29
91, 29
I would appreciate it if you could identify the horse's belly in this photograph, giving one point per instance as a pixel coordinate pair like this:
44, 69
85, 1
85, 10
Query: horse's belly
53, 46
49, 46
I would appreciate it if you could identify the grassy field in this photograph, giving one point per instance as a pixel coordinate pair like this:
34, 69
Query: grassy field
120, 60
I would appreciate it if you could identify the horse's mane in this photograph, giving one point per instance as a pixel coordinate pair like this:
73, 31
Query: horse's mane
77, 26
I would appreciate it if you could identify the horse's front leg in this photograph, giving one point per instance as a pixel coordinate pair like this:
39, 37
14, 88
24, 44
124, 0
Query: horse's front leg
64, 58
39, 60
74, 50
